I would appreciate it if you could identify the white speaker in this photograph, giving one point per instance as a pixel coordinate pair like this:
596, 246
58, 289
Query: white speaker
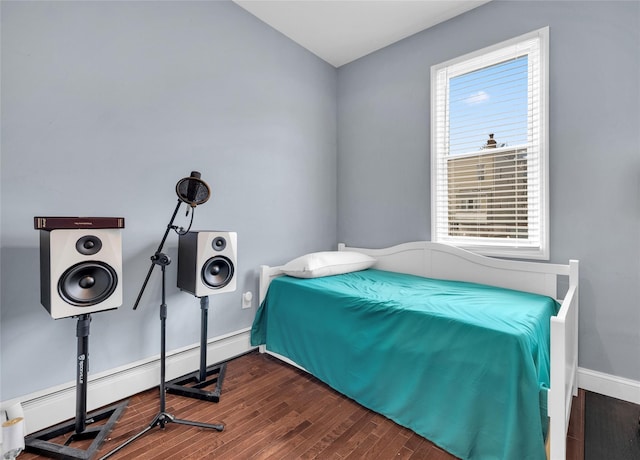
207, 262
80, 270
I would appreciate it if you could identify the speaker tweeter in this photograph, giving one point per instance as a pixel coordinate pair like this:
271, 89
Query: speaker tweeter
207, 262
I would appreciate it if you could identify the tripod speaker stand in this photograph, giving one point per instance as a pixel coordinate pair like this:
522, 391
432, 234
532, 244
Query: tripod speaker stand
40, 442
193, 191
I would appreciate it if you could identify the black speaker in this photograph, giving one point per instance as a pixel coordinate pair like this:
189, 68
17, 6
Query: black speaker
207, 262
80, 270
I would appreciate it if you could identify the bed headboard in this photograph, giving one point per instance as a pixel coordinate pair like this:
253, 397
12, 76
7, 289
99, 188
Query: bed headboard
442, 261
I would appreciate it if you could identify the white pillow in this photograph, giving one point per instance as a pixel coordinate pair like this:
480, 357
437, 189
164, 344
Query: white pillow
327, 263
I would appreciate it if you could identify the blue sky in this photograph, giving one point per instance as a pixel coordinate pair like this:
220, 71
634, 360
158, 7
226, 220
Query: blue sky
490, 100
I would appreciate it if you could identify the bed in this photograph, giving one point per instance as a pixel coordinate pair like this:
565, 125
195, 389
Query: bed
478, 355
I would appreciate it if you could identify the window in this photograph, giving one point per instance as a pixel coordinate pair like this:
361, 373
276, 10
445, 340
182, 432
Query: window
489, 150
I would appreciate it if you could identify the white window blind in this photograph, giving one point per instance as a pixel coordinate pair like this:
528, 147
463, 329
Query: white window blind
489, 149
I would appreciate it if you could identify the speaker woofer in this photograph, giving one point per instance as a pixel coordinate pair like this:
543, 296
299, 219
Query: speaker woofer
87, 283
217, 272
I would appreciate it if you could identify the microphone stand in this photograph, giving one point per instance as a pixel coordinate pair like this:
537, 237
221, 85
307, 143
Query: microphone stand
170, 227
163, 417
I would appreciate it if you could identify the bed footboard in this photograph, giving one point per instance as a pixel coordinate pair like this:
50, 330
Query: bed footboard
564, 366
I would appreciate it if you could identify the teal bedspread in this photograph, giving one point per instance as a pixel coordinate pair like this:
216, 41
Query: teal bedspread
464, 365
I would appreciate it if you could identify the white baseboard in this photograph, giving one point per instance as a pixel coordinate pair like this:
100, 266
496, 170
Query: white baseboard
609, 385
54, 405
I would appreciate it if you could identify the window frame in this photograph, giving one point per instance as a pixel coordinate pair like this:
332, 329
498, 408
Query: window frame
529, 248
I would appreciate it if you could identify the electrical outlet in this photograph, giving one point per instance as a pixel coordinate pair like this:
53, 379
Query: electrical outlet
247, 299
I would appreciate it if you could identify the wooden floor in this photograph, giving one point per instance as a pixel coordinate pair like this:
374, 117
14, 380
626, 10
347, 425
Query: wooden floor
273, 411
612, 428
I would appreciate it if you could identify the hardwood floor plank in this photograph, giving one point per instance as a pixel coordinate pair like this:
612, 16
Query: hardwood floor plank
318, 416
575, 433
390, 447
616, 439
340, 423
363, 449
352, 438
423, 452
283, 442
435, 453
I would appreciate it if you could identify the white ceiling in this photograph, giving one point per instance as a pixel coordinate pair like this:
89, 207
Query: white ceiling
340, 31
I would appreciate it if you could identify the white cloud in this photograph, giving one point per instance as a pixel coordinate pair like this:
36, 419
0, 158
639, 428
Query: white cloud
477, 98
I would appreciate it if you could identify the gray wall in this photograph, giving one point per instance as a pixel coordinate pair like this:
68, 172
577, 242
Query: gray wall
105, 106
384, 144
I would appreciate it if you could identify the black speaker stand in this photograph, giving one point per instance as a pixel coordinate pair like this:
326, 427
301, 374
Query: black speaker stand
162, 418
194, 385
39, 443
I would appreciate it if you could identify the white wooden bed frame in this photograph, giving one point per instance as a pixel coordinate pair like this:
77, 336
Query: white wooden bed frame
435, 260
